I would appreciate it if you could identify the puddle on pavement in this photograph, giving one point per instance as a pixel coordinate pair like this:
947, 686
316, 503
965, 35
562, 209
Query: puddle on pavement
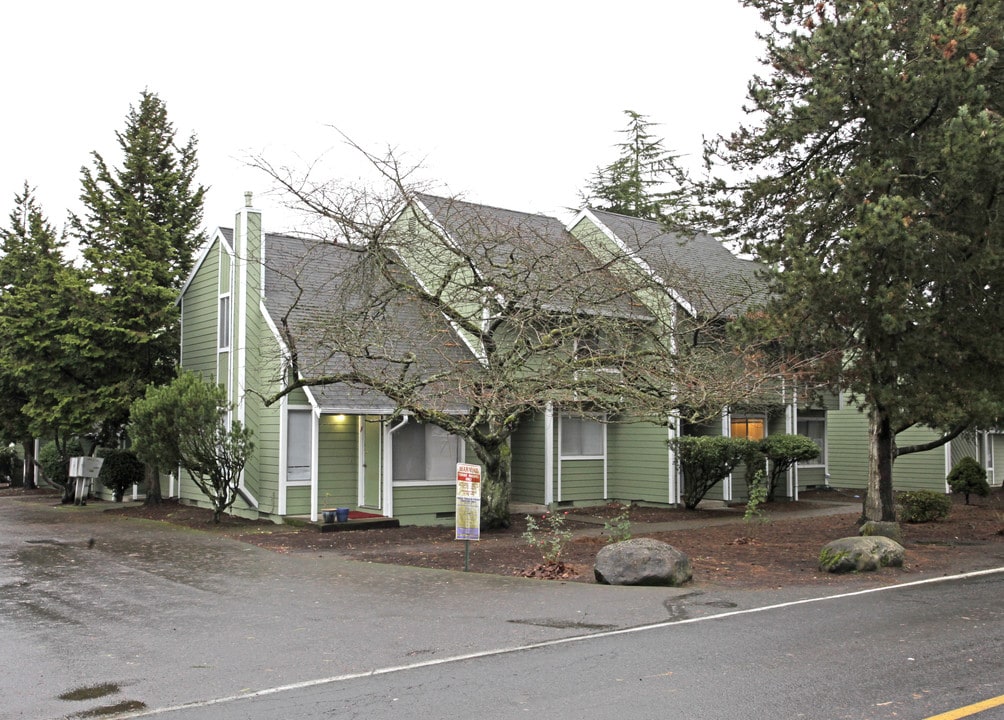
90, 692
564, 624
105, 710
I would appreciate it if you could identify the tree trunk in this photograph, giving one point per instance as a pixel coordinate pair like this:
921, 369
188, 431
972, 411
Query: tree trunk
880, 504
29, 464
153, 496
496, 485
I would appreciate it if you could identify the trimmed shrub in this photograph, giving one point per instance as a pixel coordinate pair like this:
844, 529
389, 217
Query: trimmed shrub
120, 470
783, 451
707, 460
921, 506
968, 477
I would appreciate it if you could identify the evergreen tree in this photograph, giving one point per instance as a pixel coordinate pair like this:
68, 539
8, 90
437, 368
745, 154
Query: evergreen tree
877, 153
50, 365
643, 182
139, 236
186, 423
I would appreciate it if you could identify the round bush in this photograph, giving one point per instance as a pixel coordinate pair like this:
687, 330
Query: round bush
920, 506
120, 470
969, 478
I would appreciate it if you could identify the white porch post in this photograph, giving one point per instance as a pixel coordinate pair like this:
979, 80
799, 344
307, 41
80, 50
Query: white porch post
726, 432
673, 487
315, 425
549, 454
283, 451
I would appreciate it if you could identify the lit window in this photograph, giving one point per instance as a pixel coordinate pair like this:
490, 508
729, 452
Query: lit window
751, 428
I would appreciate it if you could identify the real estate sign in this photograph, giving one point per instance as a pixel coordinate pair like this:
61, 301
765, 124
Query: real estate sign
468, 502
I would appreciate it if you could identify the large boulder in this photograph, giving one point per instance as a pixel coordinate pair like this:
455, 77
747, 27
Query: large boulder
642, 561
857, 554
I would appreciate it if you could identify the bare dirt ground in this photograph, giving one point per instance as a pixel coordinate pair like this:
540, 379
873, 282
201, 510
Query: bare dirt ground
780, 552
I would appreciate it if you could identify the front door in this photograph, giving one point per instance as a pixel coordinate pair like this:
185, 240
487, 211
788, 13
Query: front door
370, 452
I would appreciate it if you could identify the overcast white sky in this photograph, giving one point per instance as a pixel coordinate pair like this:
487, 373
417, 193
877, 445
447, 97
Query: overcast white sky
510, 104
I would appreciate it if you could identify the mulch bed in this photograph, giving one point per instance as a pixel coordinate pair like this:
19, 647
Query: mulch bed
778, 553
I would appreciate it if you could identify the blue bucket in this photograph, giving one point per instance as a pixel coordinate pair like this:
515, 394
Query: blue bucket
342, 514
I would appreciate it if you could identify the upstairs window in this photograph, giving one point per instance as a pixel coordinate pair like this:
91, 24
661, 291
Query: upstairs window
224, 325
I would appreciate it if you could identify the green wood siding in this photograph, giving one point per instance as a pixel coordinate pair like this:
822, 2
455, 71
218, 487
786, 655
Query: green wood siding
581, 480
528, 465
199, 321
847, 443
425, 505
638, 462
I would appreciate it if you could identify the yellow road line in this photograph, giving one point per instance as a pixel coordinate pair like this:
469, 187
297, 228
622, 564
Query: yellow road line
970, 709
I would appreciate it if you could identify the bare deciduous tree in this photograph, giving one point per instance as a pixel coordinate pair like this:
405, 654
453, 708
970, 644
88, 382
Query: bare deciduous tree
472, 318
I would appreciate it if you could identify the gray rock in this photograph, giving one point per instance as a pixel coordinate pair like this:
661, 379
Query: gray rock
858, 554
890, 530
642, 561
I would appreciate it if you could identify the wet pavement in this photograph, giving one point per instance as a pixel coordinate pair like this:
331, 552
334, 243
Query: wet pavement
103, 614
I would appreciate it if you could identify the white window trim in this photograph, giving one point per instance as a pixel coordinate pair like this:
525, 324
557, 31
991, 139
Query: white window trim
561, 451
462, 455
285, 445
747, 417
228, 316
819, 462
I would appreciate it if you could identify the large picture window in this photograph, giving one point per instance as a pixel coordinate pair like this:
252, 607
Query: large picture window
425, 454
298, 449
582, 437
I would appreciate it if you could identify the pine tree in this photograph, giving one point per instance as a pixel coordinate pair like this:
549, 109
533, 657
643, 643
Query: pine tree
878, 162
139, 236
643, 181
50, 365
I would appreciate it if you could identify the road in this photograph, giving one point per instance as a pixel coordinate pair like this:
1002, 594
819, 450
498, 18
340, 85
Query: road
161, 622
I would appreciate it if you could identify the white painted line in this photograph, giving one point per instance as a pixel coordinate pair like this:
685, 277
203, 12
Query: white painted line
546, 643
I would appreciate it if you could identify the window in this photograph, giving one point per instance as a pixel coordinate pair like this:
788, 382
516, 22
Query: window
425, 454
582, 437
224, 336
751, 428
815, 430
298, 449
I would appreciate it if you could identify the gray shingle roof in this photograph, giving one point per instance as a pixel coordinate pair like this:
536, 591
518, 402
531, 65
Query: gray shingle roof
697, 265
338, 307
533, 258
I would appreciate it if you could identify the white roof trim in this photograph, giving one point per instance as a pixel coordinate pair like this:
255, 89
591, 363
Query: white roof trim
477, 352
284, 351
586, 213
217, 234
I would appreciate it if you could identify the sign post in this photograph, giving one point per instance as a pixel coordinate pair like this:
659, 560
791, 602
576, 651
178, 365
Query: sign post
468, 507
